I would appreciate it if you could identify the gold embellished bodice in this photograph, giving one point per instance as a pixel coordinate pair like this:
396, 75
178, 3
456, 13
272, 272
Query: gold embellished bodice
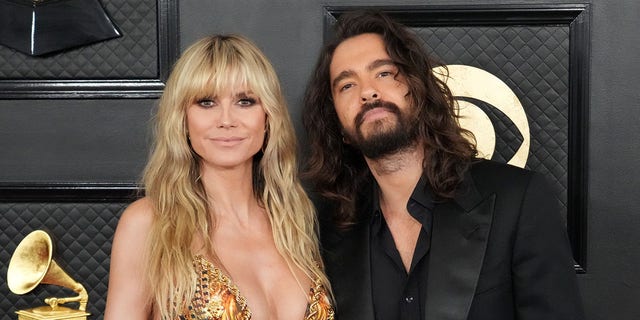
217, 298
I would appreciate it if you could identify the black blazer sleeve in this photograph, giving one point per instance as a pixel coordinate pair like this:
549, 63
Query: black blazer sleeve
544, 281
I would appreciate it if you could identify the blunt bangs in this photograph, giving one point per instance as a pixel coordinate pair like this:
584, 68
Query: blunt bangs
226, 66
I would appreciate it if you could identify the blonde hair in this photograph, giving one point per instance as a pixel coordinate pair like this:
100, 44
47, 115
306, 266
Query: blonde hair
171, 177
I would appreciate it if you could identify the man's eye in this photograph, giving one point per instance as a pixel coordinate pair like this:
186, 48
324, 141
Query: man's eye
346, 86
385, 74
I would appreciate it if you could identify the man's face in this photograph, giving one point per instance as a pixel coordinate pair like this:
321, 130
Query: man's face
371, 97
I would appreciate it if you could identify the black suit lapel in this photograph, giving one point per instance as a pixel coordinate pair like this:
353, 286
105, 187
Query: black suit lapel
458, 244
349, 268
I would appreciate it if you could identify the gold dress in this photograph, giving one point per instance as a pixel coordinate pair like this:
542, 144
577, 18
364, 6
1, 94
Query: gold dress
217, 298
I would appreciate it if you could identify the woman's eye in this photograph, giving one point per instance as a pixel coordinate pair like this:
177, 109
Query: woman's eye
246, 102
206, 103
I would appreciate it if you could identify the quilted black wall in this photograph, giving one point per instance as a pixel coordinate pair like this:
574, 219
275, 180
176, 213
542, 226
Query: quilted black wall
74, 126
82, 234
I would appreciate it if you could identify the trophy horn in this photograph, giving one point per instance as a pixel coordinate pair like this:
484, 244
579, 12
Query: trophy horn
32, 264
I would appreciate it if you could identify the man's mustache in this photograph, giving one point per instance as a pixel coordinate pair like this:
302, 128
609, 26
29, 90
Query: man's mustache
389, 106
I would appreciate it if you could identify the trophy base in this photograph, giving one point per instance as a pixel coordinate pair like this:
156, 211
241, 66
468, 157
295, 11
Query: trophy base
46, 313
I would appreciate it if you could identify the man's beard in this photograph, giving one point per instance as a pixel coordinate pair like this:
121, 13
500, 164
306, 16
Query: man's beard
384, 138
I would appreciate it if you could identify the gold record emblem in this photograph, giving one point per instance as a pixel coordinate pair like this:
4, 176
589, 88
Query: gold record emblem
480, 85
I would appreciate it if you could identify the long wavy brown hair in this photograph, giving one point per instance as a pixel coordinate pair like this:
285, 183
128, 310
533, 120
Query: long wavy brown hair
337, 170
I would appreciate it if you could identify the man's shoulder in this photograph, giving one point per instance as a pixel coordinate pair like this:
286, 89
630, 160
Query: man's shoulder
495, 167
487, 168
490, 176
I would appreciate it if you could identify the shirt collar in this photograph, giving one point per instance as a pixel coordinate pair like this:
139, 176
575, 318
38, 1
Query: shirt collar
420, 205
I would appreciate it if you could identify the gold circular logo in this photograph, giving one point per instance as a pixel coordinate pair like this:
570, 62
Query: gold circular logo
485, 106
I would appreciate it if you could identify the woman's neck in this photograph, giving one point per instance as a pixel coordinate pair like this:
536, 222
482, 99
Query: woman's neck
230, 192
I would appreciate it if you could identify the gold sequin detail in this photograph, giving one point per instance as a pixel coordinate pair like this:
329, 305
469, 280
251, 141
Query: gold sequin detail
319, 308
217, 298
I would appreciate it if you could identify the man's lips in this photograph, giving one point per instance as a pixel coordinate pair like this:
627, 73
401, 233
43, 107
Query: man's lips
375, 113
375, 110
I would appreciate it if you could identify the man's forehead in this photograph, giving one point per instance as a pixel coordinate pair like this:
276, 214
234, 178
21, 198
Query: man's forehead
357, 52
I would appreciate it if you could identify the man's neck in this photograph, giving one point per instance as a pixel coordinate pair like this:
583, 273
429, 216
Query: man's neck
397, 176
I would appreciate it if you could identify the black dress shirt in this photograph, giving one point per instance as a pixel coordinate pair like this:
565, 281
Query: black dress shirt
396, 293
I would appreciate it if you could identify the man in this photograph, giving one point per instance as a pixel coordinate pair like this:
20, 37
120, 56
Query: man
420, 228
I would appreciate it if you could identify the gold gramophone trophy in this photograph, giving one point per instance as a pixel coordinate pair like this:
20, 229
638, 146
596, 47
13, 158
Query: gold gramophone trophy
32, 264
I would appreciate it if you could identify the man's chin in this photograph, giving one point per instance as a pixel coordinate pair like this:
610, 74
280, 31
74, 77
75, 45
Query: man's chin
383, 143
376, 130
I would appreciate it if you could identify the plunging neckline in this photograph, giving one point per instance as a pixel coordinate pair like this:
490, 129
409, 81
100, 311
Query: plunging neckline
226, 280
316, 297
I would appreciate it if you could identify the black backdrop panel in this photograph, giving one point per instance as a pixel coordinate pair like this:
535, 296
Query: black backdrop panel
82, 235
104, 60
132, 66
534, 62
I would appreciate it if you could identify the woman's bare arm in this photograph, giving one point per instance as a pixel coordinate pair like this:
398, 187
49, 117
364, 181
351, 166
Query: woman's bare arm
128, 294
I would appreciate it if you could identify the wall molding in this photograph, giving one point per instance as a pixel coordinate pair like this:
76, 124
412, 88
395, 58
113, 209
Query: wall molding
69, 192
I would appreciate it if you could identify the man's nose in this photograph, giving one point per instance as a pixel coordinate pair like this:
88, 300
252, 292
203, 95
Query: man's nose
369, 93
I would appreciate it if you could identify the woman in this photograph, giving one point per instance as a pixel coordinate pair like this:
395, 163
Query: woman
225, 230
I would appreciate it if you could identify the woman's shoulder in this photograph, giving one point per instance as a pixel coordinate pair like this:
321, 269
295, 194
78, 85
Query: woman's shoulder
127, 281
137, 216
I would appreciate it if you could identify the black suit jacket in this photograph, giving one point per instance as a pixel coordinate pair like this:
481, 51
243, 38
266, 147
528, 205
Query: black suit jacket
498, 251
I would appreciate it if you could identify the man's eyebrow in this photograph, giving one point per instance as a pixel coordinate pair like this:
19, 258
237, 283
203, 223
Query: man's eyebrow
373, 65
343, 75
379, 63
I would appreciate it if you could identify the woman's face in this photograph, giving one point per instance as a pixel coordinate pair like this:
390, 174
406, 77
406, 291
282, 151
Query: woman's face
227, 130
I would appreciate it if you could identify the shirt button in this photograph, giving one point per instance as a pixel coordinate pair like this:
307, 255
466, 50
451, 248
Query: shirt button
408, 299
